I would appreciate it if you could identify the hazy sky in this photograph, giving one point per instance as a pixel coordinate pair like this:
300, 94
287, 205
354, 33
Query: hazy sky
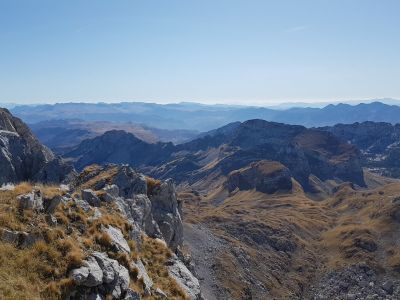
224, 51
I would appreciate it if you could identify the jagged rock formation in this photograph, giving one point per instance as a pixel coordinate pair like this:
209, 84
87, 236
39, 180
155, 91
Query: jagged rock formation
150, 207
114, 232
22, 157
264, 176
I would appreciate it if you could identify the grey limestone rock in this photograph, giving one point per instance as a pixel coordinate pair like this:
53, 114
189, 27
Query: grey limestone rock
166, 212
118, 240
90, 197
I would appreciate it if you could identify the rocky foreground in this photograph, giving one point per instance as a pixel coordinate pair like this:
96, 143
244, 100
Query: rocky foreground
112, 234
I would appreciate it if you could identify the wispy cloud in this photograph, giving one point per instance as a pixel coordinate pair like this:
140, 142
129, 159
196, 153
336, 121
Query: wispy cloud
296, 28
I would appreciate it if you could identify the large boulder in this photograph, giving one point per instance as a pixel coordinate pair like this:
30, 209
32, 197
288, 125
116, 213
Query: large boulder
117, 239
167, 211
32, 200
101, 276
264, 176
21, 239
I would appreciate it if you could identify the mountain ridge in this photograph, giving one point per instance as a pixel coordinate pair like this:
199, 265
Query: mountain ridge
208, 117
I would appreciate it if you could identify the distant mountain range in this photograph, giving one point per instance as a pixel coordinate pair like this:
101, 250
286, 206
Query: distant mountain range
200, 117
62, 135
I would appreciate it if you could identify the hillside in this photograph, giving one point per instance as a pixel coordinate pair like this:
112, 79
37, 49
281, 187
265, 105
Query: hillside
285, 245
108, 235
378, 142
303, 151
200, 117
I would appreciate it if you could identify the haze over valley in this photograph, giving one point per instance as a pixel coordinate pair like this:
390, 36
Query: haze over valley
199, 150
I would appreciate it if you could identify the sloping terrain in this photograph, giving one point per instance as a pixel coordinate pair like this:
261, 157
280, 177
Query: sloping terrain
287, 246
113, 235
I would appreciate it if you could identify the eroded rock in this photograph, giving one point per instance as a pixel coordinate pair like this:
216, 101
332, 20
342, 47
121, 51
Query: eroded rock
90, 197
166, 212
101, 273
117, 239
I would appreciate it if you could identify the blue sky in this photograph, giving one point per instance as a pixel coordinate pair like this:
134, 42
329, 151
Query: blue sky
219, 51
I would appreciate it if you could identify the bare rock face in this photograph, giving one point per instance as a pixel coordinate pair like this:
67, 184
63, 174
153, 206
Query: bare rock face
138, 211
117, 239
264, 176
130, 182
32, 200
23, 157
167, 211
90, 197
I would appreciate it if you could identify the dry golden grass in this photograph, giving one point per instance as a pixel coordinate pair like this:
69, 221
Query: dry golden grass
151, 185
346, 228
154, 255
93, 174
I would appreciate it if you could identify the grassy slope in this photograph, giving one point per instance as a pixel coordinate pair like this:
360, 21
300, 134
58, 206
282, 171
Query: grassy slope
291, 240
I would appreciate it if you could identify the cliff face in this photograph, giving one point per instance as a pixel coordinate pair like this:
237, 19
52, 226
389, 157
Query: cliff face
23, 158
264, 176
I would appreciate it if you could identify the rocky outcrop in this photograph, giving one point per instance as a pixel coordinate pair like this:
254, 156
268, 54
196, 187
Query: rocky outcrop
264, 176
143, 276
130, 182
101, 275
167, 212
138, 211
23, 158
117, 239
154, 211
